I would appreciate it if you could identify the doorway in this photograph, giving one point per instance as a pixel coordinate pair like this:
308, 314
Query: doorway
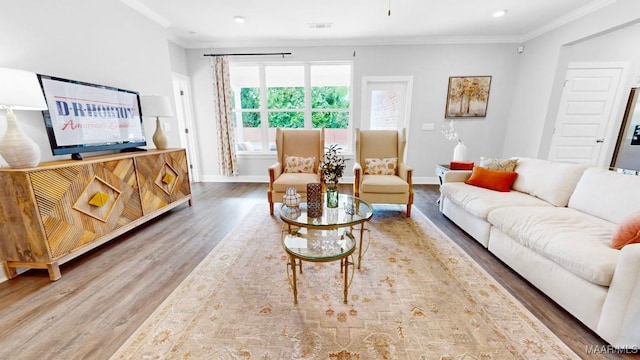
184, 115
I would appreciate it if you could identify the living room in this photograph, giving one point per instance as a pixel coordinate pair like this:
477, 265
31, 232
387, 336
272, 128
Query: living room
112, 44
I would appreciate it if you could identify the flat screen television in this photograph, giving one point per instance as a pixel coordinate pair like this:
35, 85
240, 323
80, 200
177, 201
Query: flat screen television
84, 117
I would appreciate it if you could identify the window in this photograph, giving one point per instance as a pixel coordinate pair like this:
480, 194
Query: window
267, 96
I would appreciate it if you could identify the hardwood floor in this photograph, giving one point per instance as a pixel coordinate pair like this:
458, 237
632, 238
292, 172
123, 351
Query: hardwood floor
105, 295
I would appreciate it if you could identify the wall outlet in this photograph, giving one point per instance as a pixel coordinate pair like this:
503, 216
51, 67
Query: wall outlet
428, 126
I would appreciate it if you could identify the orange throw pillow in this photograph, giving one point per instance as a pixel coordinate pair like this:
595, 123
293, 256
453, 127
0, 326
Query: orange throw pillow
628, 232
492, 179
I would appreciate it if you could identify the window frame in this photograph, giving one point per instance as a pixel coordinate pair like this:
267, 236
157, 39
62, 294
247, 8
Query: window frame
307, 110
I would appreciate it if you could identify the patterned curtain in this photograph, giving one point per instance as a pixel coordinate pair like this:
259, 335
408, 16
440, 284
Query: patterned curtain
224, 116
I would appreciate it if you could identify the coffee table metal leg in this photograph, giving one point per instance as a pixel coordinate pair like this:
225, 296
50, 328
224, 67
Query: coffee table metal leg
295, 281
346, 279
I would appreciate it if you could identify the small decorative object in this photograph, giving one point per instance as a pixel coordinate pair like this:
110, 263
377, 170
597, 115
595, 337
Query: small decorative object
291, 198
449, 132
468, 96
314, 199
350, 207
100, 199
460, 152
19, 90
167, 178
158, 106
332, 166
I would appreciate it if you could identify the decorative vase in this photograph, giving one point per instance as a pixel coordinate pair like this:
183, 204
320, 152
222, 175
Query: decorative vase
314, 200
460, 152
159, 137
332, 196
291, 198
17, 149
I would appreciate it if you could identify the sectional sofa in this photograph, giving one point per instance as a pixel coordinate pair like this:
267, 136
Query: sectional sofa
554, 227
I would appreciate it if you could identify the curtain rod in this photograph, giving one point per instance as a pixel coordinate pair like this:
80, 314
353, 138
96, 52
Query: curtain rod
250, 54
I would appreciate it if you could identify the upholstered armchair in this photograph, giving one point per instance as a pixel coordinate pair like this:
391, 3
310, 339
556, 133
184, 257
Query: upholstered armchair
299, 154
381, 176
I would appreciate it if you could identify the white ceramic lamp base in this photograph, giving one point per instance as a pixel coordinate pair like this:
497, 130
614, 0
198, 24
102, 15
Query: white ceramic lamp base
16, 148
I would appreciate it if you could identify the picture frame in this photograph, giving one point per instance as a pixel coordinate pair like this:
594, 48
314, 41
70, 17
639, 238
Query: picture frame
467, 96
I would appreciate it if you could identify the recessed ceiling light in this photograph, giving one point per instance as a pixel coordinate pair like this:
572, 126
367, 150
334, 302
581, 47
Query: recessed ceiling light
238, 19
499, 13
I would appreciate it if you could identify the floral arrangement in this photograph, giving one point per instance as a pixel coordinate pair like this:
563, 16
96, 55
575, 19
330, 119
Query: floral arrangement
450, 132
332, 165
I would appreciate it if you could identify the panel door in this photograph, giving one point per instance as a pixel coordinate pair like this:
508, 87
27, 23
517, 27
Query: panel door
584, 114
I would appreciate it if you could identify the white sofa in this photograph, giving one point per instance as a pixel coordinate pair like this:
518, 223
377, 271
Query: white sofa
554, 228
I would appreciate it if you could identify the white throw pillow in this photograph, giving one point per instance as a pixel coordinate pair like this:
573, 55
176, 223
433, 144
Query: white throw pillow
299, 164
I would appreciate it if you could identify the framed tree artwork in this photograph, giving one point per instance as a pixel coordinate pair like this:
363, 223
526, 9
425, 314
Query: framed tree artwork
467, 96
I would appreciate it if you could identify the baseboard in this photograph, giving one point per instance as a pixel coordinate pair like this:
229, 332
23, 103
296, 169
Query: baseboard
427, 180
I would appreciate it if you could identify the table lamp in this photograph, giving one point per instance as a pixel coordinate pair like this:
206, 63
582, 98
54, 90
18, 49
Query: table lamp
158, 106
19, 90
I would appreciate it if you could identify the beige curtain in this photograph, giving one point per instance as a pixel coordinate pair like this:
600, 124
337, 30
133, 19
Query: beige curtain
224, 116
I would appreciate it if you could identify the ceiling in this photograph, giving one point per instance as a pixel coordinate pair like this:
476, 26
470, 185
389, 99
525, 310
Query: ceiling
210, 23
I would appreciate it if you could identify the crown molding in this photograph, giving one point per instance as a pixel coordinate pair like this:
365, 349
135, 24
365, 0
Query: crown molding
572, 16
355, 42
154, 16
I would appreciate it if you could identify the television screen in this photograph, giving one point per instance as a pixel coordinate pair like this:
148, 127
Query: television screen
84, 117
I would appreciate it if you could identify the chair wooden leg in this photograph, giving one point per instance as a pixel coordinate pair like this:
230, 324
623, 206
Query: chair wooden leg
271, 208
408, 210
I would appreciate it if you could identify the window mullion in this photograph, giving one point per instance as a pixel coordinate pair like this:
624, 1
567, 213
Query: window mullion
264, 116
307, 97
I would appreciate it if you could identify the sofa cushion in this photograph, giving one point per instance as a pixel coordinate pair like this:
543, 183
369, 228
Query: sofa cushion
574, 240
297, 180
384, 184
606, 194
480, 201
551, 181
498, 164
492, 179
627, 232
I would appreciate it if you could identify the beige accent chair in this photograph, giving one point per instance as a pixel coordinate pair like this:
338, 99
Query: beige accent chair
295, 142
382, 189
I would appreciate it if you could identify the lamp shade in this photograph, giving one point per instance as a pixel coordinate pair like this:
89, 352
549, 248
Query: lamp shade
20, 90
153, 105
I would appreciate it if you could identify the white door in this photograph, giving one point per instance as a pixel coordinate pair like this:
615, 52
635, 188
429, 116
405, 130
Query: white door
386, 102
583, 127
184, 115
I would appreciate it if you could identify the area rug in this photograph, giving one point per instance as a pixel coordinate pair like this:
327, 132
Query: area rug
416, 296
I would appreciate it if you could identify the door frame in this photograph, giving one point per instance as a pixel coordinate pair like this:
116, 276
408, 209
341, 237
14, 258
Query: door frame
186, 123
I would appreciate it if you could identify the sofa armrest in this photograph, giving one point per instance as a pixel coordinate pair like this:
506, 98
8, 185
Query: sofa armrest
357, 173
275, 171
620, 319
456, 176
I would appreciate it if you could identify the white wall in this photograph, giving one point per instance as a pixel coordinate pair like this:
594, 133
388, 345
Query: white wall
103, 42
540, 74
430, 66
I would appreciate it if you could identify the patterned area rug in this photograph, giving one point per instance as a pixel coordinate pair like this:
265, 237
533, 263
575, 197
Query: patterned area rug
417, 296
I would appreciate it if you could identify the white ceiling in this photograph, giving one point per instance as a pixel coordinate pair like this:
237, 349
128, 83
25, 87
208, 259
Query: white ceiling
209, 23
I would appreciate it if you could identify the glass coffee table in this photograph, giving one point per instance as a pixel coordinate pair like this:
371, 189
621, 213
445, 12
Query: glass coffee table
324, 238
318, 246
351, 211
